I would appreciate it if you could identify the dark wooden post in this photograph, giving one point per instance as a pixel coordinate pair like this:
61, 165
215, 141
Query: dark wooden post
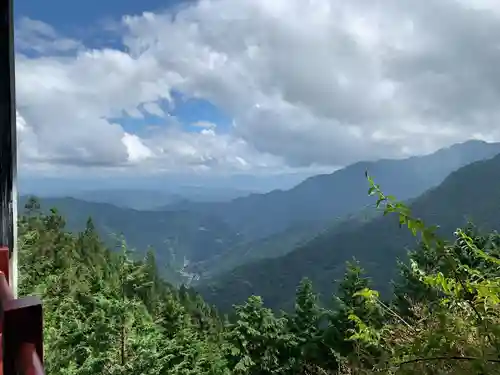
8, 145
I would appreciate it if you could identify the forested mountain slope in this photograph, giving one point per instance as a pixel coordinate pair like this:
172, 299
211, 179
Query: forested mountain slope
278, 244
200, 244
175, 236
317, 198
472, 192
209, 238
105, 313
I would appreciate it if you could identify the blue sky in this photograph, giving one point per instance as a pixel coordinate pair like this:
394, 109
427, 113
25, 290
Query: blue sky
70, 16
311, 85
191, 110
188, 111
85, 20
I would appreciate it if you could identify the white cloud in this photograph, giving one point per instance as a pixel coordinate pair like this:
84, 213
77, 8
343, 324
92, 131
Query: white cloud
136, 150
42, 38
306, 82
154, 109
204, 124
172, 148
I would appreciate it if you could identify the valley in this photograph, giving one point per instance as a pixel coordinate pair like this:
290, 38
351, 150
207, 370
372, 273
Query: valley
377, 244
266, 243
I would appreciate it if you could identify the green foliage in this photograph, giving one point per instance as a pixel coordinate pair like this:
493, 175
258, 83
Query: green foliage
176, 235
259, 340
108, 313
458, 331
306, 322
470, 193
104, 312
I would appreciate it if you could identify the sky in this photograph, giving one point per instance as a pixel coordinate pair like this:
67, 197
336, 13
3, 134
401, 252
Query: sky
249, 87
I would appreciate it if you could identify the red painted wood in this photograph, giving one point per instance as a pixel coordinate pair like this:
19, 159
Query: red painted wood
5, 291
28, 361
4, 262
21, 328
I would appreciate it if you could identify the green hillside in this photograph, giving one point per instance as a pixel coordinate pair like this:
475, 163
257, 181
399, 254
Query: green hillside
208, 239
277, 245
473, 192
107, 313
317, 199
177, 237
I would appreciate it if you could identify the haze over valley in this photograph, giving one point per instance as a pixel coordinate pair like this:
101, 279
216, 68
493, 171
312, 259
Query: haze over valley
210, 243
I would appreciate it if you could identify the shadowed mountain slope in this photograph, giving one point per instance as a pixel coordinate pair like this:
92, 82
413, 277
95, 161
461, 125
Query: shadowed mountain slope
472, 192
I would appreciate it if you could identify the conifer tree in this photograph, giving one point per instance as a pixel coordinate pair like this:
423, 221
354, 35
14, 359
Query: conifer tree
259, 340
305, 326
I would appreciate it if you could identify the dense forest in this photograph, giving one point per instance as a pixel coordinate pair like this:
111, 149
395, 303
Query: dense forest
108, 313
376, 243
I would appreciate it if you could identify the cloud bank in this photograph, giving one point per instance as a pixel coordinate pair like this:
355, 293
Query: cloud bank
308, 84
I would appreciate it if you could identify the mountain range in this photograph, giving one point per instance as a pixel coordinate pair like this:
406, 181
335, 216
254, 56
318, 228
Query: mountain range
470, 193
325, 197
177, 237
149, 199
263, 243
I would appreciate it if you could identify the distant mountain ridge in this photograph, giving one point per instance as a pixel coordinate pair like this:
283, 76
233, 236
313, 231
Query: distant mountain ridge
472, 192
318, 198
125, 198
177, 237
150, 199
278, 244
213, 237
